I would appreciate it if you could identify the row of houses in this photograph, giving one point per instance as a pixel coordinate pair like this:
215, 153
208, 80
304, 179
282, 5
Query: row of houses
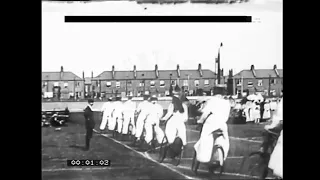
66, 84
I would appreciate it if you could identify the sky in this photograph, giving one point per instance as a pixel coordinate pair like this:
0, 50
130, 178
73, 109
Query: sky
96, 47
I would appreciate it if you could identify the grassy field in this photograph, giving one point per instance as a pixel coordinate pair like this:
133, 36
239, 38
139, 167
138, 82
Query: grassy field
126, 162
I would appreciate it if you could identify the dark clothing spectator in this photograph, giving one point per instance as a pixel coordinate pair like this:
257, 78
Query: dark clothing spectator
89, 123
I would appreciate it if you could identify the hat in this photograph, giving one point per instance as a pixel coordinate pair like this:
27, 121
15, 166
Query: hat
153, 98
90, 101
176, 90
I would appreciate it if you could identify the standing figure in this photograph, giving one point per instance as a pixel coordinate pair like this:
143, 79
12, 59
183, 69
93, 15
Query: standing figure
267, 110
106, 113
129, 108
142, 111
89, 123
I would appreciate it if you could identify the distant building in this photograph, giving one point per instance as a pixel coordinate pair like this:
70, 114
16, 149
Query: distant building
259, 80
154, 81
61, 85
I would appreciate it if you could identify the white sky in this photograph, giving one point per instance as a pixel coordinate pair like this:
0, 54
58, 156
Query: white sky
97, 46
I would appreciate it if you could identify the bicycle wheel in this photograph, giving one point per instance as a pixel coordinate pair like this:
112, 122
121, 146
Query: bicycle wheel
218, 163
179, 158
256, 164
114, 132
162, 150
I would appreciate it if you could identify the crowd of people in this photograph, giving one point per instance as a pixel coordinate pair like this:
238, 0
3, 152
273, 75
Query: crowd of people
120, 116
214, 113
255, 108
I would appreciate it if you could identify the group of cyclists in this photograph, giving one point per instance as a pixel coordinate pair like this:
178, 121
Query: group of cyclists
214, 113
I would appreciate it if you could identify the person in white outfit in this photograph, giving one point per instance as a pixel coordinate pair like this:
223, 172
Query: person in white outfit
106, 113
142, 111
175, 118
215, 116
267, 110
116, 115
154, 114
129, 108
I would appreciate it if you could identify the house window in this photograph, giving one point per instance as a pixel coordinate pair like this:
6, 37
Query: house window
93, 88
129, 83
196, 83
65, 85
273, 92
78, 84
108, 84
273, 81
185, 83
238, 82
55, 84
162, 84
45, 83
173, 83
206, 82
141, 83
250, 83
167, 93
152, 83
117, 84
260, 82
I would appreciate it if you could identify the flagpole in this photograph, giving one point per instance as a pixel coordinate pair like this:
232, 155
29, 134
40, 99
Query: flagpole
242, 86
234, 86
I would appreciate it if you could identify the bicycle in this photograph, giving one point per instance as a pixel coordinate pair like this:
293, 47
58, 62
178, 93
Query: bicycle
213, 164
258, 161
164, 147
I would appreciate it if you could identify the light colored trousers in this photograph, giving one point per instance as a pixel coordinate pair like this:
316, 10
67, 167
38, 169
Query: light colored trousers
139, 125
176, 128
128, 118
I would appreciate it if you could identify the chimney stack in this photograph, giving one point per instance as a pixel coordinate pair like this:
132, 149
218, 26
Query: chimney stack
276, 70
134, 71
112, 71
178, 70
156, 70
83, 75
252, 67
91, 74
252, 70
200, 69
61, 73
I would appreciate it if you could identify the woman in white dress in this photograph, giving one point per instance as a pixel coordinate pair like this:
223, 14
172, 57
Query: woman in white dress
267, 110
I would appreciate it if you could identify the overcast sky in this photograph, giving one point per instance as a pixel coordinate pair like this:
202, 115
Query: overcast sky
97, 46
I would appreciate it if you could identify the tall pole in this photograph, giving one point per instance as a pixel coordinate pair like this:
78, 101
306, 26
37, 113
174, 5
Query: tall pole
99, 86
127, 86
219, 64
242, 86
74, 88
233, 86
84, 85
269, 85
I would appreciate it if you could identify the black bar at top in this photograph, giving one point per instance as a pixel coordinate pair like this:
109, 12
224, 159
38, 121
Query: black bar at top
160, 19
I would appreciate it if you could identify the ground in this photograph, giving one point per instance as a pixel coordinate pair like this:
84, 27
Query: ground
134, 163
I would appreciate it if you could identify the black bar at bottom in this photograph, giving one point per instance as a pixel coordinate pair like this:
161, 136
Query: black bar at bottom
159, 19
